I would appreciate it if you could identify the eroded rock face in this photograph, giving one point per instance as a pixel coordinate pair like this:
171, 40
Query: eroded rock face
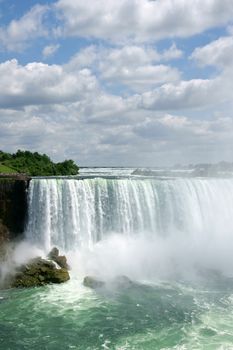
59, 259
38, 272
54, 253
4, 240
13, 204
4, 234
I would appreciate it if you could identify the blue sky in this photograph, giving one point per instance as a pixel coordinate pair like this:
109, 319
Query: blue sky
132, 82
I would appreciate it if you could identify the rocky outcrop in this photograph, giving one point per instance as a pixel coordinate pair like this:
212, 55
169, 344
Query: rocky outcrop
4, 233
59, 259
13, 204
119, 282
4, 240
39, 272
92, 282
122, 282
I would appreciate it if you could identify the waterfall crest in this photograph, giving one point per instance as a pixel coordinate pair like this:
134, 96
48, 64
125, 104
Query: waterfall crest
71, 213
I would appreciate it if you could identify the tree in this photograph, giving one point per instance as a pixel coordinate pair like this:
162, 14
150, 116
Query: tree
36, 164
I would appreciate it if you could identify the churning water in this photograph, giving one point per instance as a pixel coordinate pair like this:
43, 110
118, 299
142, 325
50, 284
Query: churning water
171, 236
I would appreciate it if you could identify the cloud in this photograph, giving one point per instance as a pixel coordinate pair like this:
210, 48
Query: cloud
218, 53
170, 127
135, 67
85, 58
125, 101
172, 53
194, 93
50, 50
18, 33
37, 83
106, 130
138, 68
140, 20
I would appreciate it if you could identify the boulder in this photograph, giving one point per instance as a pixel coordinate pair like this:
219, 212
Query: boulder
54, 253
92, 282
38, 272
119, 282
122, 282
59, 259
62, 262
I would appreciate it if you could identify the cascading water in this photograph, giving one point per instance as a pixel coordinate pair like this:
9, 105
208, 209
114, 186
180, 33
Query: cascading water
178, 220
70, 213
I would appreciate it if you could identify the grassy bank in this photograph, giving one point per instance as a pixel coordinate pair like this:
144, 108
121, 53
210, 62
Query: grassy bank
6, 170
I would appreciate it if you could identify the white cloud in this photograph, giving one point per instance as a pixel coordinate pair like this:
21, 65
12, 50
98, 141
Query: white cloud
141, 19
194, 93
50, 50
172, 53
169, 127
106, 130
137, 67
143, 76
85, 58
217, 53
38, 83
134, 67
18, 33
87, 103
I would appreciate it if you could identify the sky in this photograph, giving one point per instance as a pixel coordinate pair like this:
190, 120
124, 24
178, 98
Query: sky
118, 83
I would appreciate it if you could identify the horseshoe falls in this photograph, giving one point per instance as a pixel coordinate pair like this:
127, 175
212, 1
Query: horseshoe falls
172, 237
152, 221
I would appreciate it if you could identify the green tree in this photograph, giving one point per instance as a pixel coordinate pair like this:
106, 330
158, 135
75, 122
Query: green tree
36, 164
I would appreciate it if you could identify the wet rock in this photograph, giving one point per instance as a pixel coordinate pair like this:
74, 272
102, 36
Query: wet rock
4, 240
54, 253
92, 282
122, 282
61, 260
38, 272
13, 204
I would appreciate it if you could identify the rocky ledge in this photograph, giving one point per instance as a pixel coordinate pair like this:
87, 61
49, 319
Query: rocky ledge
39, 271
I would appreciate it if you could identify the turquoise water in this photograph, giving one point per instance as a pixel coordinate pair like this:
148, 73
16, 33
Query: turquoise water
138, 316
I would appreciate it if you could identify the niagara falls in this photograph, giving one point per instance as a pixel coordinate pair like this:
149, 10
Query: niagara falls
158, 249
116, 175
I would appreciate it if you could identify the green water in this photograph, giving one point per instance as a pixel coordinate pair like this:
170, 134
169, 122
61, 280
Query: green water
139, 316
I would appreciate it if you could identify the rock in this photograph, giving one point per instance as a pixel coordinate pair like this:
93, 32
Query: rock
59, 259
122, 282
54, 253
4, 233
62, 262
13, 205
39, 272
4, 239
92, 282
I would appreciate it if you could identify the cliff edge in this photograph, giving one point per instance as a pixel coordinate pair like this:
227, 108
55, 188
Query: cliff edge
13, 204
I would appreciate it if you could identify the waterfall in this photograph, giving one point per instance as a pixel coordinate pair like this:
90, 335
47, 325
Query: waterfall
72, 213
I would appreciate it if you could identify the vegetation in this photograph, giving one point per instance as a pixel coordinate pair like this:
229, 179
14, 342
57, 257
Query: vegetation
35, 164
6, 170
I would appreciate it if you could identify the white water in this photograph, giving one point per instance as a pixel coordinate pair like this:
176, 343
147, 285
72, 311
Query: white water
135, 226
